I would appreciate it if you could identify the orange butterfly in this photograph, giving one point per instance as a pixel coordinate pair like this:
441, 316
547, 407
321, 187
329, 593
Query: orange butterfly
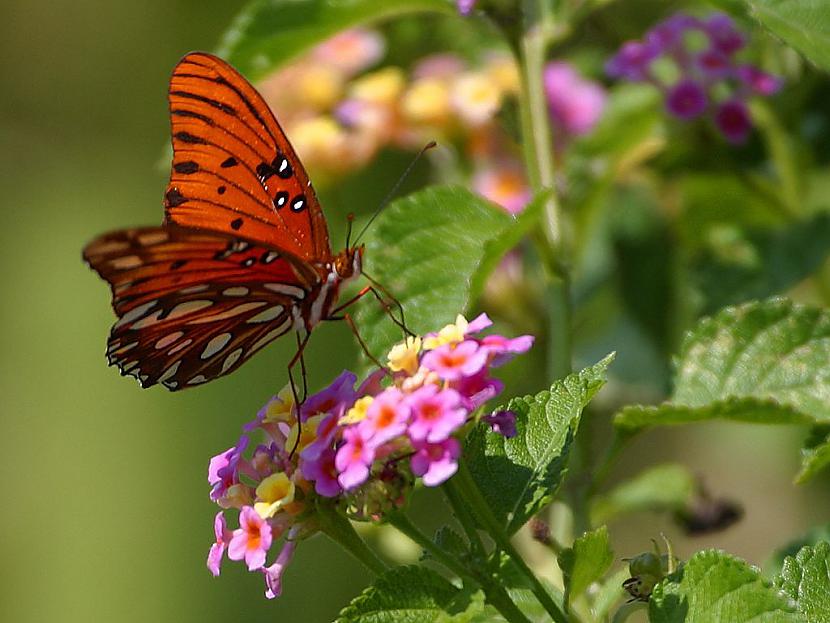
243, 255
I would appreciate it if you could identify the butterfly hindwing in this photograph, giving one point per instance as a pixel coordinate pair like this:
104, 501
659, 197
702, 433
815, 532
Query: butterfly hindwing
234, 171
193, 306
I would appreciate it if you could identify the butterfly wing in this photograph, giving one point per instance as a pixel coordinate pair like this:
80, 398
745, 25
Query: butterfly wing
194, 306
234, 171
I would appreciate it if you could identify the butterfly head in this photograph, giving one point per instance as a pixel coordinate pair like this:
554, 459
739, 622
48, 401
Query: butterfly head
349, 263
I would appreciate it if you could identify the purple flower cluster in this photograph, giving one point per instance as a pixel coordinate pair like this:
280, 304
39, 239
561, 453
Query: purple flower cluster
692, 60
363, 444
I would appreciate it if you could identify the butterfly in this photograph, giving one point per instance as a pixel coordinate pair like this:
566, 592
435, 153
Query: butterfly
243, 255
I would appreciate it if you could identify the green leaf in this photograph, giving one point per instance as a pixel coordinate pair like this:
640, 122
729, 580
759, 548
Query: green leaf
806, 579
736, 268
762, 362
714, 587
425, 249
268, 33
520, 475
609, 594
774, 566
663, 487
410, 594
815, 455
586, 562
450, 541
803, 24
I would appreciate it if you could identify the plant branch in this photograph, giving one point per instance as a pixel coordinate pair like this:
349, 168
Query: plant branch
340, 530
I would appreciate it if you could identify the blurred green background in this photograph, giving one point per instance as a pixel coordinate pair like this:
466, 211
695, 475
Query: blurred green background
106, 513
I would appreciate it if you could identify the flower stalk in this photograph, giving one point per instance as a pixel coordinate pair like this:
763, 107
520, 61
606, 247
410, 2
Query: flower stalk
340, 530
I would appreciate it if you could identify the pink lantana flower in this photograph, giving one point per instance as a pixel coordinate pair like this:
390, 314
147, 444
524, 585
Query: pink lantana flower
333, 399
353, 459
386, 417
454, 361
502, 349
436, 413
326, 431
251, 540
223, 469
436, 462
217, 550
273, 574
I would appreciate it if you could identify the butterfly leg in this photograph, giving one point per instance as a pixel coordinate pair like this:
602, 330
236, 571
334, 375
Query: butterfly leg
349, 321
372, 289
298, 357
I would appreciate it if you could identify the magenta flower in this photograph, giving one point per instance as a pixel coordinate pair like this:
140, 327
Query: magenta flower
223, 469
465, 7
686, 100
353, 459
477, 389
436, 413
251, 540
478, 324
575, 104
670, 31
454, 361
723, 34
502, 422
732, 119
436, 462
502, 349
714, 64
633, 61
759, 81
333, 399
386, 417
273, 574
323, 473
217, 550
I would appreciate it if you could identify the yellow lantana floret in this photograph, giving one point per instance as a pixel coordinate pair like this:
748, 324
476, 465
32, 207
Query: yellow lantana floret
320, 86
381, 87
281, 408
427, 101
475, 98
274, 492
451, 334
307, 434
358, 411
404, 356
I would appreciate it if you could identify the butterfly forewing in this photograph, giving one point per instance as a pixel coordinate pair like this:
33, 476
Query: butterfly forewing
192, 307
234, 171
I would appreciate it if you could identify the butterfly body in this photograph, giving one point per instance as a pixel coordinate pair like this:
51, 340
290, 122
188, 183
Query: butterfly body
243, 255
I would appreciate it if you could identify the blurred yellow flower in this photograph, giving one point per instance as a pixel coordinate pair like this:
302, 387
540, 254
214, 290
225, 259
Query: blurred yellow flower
320, 86
501, 69
381, 87
475, 98
427, 101
450, 334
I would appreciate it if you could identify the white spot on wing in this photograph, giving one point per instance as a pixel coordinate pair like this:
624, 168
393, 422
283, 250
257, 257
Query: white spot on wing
268, 314
135, 313
188, 307
230, 313
147, 321
194, 289
170, 372
126, 262
167, 340
216, 344
176, 349
152, 237
284, 288
200, 378
236, 291
231, 359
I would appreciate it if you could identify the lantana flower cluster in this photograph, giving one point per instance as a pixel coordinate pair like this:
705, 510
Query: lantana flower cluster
363, 446
339, 116
695, 62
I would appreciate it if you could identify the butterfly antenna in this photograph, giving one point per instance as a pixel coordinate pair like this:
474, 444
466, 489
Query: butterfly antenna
395, 188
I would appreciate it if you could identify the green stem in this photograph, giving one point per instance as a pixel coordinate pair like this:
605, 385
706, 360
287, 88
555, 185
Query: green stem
482, 513
539, 161
404, 525
493, 590
340, 530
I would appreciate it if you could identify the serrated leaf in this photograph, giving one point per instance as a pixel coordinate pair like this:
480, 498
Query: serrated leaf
760, 264
268, 33
806, 579
714, 587
815, 455
520, 475
803, 24
425, 249
663, 487
586, 561
763, 362
816, 535
410, 594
